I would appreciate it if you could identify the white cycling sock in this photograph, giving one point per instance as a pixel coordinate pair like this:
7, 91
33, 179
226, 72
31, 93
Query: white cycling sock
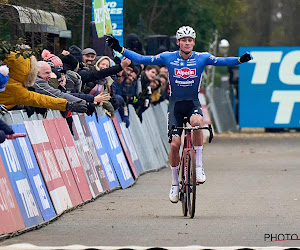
175, 180
198, 150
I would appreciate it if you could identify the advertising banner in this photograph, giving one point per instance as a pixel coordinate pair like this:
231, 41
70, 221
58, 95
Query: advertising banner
127, 145
20, 184
269, 88
47, 162
86, 157
10, 216
103, 155
115, 10
62, 161
34, 174
73, 158
102, 18
112, 145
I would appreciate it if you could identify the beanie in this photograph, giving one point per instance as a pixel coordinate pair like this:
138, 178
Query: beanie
47, 56
69, 61
76, 52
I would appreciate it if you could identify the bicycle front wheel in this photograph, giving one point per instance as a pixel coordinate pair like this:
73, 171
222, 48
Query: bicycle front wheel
191, 183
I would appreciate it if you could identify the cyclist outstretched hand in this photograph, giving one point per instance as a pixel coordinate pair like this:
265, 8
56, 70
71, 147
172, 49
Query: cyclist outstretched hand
114, 43
245, 58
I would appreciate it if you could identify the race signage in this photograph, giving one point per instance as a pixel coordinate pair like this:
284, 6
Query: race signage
269, 88
20, 183
48, 165
73, 158
34, 174
86, 156
62, 161
127, 144
103, 155
113, 148
115, 10
10, 216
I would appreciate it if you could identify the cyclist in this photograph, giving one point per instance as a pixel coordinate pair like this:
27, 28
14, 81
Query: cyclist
185, 67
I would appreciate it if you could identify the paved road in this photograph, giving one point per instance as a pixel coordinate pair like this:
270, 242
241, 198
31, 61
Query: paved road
252, 189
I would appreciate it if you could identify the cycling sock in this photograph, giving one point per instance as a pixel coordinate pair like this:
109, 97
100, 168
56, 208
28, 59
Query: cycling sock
175, 181
198, 150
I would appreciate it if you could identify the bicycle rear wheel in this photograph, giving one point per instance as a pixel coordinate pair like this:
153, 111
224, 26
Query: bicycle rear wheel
191, 180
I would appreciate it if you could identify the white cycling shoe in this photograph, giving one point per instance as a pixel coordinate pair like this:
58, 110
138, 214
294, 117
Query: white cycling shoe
174, 194
200, 175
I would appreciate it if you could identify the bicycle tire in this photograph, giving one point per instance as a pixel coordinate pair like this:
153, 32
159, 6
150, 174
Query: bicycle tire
182, 193
191, 183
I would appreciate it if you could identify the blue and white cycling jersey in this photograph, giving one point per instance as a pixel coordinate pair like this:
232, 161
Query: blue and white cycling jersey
184, 75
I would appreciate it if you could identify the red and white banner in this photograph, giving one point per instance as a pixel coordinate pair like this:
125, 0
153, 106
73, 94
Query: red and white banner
10, 216
73, 158
48, 165
62, 161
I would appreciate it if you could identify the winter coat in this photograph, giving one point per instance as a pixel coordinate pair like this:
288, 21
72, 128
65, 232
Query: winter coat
22, 74
42, 87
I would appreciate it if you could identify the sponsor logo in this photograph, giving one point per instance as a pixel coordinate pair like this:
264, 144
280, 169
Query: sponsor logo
185, 72
184, 83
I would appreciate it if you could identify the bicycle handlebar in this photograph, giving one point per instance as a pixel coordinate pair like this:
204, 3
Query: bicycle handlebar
209, 128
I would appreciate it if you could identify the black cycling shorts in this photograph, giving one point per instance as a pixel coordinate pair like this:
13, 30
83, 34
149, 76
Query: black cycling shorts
180, 109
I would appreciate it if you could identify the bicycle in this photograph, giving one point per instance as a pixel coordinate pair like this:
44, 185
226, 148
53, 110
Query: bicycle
187, 169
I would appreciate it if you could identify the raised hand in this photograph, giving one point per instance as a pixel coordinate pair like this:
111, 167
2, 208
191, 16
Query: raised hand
245, 58
125, 62
114, 43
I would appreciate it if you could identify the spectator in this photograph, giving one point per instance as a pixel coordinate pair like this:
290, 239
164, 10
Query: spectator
149, 75
55, 60
133, 42
88, 56
73, 79
93, 75
3, 77
165, 91
4, 128
155, 90
164, 70
22, 74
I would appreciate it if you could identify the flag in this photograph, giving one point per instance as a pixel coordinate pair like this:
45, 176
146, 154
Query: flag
102, 18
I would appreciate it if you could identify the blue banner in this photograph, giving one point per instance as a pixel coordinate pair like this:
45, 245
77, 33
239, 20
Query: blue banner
269, 88
115, 9
104, 157
34, 174
20, 184
113, 148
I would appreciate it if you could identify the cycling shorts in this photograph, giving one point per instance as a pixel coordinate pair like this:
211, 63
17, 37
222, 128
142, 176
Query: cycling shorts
177, 110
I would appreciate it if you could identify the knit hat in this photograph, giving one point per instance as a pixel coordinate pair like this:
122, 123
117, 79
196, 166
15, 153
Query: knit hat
69, 61
47, 56
76, 52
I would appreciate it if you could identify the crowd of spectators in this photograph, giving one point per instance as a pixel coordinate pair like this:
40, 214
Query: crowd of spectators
78, 80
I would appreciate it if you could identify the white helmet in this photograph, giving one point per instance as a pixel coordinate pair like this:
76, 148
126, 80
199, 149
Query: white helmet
185, 31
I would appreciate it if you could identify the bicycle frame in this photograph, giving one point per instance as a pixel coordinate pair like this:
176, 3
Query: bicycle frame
187, 170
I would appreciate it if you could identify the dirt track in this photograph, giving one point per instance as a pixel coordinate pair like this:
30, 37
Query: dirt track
252, 189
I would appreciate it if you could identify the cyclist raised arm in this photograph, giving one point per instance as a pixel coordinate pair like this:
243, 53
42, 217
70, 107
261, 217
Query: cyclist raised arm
185, 68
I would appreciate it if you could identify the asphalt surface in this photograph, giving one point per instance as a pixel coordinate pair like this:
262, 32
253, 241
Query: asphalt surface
252, 189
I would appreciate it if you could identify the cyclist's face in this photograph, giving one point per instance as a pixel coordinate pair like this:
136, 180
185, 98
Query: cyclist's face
186, 44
